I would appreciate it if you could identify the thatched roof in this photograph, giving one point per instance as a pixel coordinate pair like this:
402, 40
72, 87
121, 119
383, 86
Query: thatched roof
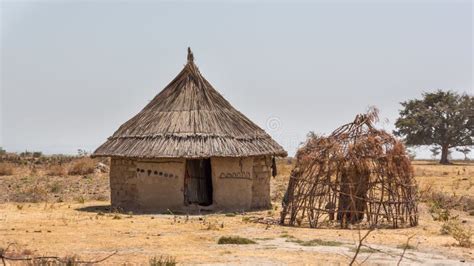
189, 119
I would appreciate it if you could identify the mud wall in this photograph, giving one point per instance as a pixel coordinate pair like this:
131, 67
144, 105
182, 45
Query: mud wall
123, 183
158, 185
232, 183
261, 182
147, 185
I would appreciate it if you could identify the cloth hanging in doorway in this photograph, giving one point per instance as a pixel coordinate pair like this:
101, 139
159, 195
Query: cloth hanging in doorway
274, 167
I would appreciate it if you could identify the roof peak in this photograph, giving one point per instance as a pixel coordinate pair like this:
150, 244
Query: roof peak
190, 55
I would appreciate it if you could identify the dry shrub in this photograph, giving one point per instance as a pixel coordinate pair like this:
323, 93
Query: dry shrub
462, 234
80, 199
442, 201
71, 260
56, 170
55, 187
162, 261
36, 194
33, 193
7, 169
424, 192
82, 166
27, 257
439, 212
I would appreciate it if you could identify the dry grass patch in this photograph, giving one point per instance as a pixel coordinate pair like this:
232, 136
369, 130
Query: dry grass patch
56, 170
7, 169
33, 193
315, 242
83, 166
440, 204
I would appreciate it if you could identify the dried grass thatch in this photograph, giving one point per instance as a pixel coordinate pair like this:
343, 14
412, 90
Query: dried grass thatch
358, 174
189, 119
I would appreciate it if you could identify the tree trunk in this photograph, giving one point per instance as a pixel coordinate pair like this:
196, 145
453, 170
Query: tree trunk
444, 154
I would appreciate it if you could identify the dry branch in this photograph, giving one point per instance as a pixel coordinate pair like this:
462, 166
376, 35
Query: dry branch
405, 249
64, 261
359, 245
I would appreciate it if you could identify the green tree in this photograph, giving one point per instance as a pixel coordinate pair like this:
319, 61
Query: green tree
435, 151
443, 118
464, 150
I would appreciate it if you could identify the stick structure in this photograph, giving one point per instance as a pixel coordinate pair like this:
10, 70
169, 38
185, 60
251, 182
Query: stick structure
357, 175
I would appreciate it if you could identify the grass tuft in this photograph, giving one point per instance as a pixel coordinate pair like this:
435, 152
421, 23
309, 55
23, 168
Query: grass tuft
406, 246
236, 240
162, 261
55, 187
315, 242
364, 250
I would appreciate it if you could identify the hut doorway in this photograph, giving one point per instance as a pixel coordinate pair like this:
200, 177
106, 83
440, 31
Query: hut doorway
198, 182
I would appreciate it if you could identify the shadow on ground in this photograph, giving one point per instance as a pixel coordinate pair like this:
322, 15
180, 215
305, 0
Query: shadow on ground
98, 208
110, 209
107, 208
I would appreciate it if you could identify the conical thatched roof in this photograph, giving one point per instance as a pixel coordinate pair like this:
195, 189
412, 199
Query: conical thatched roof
189, 119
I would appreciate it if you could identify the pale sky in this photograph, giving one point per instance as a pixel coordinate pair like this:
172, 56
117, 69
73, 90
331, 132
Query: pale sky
73, 72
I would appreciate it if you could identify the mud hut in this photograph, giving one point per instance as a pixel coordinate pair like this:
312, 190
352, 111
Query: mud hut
357, 175
189, 148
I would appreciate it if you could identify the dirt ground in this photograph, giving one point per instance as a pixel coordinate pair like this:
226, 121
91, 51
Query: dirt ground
86, 228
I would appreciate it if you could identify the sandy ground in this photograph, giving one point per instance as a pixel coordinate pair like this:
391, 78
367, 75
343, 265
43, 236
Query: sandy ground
85, 230
90, 231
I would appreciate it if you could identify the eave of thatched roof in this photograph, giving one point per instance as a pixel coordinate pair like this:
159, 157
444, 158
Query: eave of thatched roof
189, 119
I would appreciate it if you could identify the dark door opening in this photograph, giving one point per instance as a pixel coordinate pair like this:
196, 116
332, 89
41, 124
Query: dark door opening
198, 182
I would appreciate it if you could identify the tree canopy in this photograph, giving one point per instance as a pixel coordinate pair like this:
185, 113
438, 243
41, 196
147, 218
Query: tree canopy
443, 118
